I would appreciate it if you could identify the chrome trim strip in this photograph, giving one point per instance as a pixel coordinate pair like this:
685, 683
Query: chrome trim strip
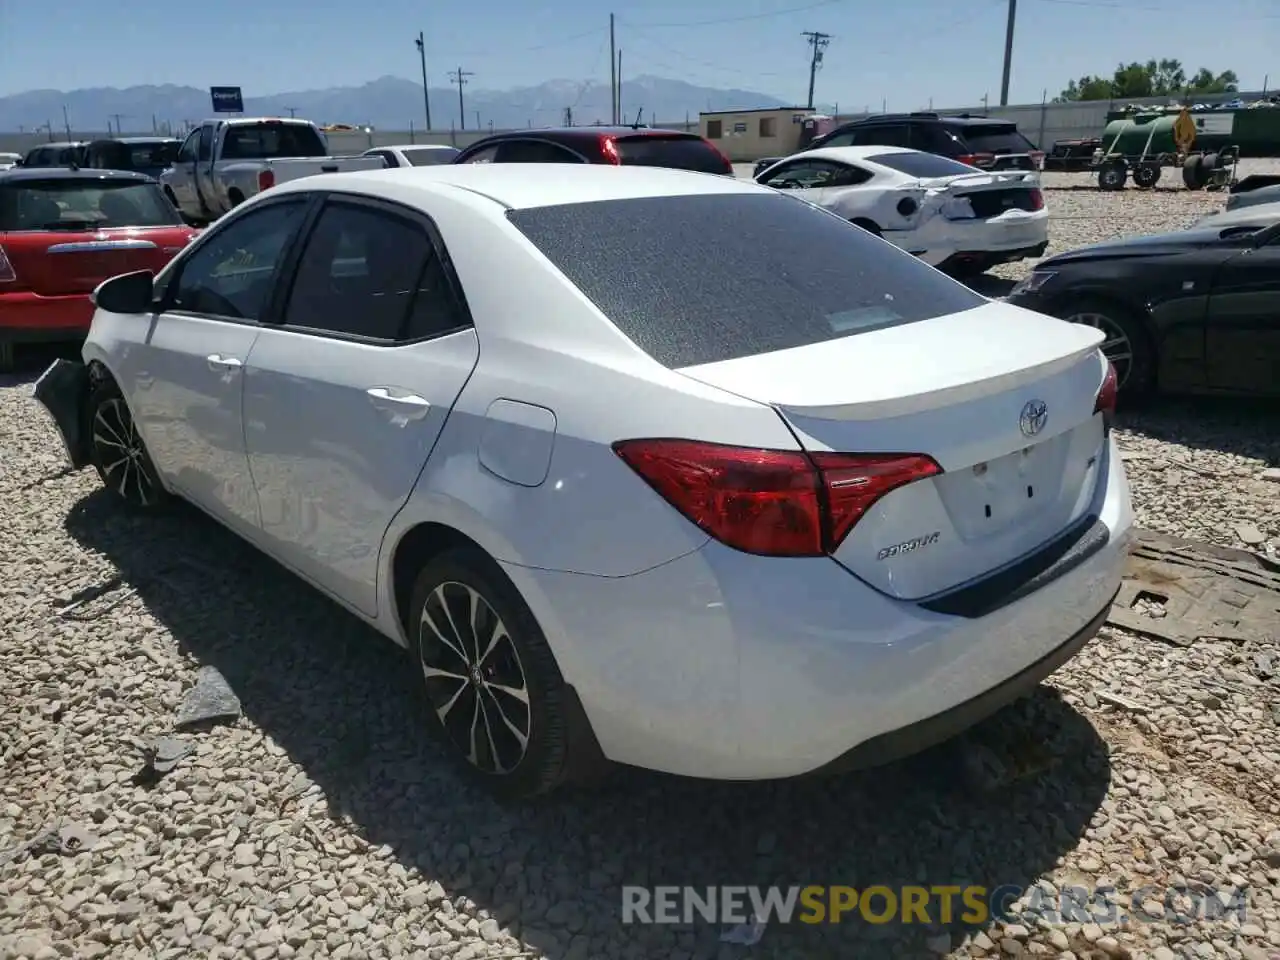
94, 246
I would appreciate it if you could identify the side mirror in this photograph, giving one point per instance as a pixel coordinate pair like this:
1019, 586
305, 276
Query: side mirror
127, 293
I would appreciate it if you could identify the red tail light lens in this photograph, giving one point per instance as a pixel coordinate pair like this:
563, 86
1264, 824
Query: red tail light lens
1037, 199
977, 159
609, 147
266, 179
1107, 393
7, 273
779, 503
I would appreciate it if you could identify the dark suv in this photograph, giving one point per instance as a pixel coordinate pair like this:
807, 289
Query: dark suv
984, 142
619, 146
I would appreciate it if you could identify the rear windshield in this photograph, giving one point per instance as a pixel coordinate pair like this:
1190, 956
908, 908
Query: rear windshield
682, 153
1002, 138
700, 279
272, 141
921, 164
429, 158
69, 204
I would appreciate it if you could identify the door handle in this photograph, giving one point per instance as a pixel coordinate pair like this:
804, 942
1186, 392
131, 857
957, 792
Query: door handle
402, 405
219, 363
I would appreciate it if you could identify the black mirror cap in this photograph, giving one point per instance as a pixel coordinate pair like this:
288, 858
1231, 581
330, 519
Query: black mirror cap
127, 293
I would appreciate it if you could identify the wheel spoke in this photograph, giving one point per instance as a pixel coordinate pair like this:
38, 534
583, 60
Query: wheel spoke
518, 693
499, 634
473, 754
494, 757
431, 624
467, 654
521, 737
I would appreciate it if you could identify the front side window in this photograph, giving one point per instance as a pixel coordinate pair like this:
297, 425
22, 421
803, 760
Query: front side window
483, 155
232, 273
187, 153
430, 158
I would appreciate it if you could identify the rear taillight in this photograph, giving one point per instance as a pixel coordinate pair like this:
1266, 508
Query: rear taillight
977, 159
266, 179
609, 147
1106, 402
7, 273
728, 165
779, 503
1037, 199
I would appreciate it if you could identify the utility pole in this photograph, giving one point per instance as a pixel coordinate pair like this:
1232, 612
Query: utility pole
117, 117
293, 112
426, 96
818, 41
617, 111
613, 72
568, 116
1008, 53
459, 77
66, 124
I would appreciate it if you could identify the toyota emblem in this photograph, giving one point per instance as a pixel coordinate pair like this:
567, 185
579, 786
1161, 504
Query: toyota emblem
1033, 418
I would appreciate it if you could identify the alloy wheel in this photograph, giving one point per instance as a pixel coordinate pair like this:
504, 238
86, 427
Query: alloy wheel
1115, 345
120, 453
474, 678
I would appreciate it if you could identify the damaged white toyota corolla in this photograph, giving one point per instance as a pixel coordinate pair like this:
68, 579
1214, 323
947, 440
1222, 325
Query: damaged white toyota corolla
619, 491
954, 217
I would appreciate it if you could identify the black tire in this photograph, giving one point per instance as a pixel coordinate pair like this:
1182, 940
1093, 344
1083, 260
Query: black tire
1112, 176
118, 454
1135, 373
7, 356
1211, 161
868, 225
1194, 172
1146, 174
521, 660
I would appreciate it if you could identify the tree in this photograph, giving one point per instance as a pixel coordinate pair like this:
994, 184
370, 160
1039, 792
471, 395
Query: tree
1155, 78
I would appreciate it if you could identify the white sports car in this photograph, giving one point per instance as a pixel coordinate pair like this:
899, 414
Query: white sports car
627, 482
951, 216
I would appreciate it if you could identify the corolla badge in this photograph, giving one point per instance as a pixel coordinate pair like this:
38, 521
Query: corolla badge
1035, 413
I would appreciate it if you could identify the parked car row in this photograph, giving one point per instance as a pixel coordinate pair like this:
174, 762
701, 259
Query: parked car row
669, 494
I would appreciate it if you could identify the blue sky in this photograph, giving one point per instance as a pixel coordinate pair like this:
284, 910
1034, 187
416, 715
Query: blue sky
906, 52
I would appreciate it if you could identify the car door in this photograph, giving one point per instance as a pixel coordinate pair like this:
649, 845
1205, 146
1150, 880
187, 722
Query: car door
1242, 335
346, 395
185, 380
181, 179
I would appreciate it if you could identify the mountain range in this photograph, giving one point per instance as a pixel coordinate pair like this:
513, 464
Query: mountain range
388, 103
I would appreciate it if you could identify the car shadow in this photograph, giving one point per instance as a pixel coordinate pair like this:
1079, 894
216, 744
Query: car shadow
989, 286
31, 360
1245, 427
337, 698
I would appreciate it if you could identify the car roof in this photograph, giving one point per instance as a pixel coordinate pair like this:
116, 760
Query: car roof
852, 154
585, 133
58, 144
931, 118
524, 185
146, 139
20, 174
412, 146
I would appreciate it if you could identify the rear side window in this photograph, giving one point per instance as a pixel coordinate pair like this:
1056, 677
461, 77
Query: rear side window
1002, 138
921, 164
272, 141
701, 279
535, 151
430, 158
68, 204
682, 153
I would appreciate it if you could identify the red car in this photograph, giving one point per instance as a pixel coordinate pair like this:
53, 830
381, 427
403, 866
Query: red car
64, 231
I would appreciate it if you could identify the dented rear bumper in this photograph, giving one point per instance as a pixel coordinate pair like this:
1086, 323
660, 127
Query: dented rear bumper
63, 391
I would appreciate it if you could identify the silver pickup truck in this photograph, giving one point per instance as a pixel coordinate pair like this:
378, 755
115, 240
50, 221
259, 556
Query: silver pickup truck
224, 162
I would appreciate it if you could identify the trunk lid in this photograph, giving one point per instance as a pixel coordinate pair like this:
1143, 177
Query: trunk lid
986, 195
1013, 429
64, 262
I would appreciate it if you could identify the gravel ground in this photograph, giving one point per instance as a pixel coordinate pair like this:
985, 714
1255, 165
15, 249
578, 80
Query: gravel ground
322, 824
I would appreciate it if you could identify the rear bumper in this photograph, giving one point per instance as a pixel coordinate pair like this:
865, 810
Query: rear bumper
997, 240
31, 318
977, 260
724, 665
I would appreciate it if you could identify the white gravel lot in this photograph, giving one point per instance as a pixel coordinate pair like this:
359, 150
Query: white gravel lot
322, 824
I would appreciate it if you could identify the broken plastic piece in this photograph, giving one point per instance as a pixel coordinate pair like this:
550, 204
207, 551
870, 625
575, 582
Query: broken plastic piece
744, 934
209, 701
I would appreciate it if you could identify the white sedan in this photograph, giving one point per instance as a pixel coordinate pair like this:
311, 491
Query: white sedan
619, 492
414, 154
950, 215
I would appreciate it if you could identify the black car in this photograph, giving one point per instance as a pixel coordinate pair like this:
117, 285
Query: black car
68, 153
984, 142
1190, 312
619, 146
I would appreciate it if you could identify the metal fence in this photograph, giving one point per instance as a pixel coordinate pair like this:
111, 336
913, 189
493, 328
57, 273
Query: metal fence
1043, 123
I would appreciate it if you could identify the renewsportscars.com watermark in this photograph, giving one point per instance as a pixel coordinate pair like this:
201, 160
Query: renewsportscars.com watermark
943, 904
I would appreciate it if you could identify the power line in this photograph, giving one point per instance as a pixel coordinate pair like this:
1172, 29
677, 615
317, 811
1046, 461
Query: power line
690, 59
750, 16
459, 77
818, 40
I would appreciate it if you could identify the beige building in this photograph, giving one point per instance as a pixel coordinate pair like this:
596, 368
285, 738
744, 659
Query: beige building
744, 135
